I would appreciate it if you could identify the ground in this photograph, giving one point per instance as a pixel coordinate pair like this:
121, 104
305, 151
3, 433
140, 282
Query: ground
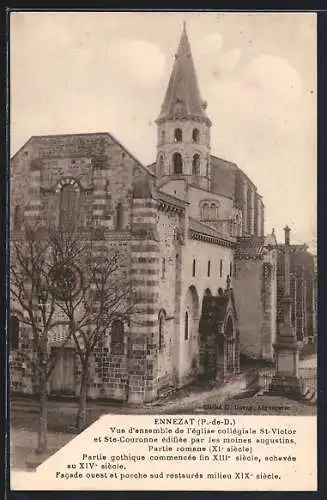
230, 398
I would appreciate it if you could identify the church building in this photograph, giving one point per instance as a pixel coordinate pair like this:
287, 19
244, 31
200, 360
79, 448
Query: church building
192, 226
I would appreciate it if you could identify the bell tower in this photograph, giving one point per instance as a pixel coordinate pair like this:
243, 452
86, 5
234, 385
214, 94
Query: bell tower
183, 143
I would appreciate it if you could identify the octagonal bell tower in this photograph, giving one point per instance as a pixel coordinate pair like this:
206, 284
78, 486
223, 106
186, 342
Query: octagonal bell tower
183, 143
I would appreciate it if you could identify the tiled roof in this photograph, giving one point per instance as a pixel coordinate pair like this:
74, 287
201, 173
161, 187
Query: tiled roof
251, 247
200, 227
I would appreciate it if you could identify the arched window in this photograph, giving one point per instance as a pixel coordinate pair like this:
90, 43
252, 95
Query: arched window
161, 321
205, 211
117, 337
196, 164
195, 135
221, 268
193, 268
186, 326
119, 216
178, 135
208, 270
14, 332
213, 211
177, 163
69, 207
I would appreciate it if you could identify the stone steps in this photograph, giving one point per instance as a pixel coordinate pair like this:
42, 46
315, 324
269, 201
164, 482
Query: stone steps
166, 392
307, 395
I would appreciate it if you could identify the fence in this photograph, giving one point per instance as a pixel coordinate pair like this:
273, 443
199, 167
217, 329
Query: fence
307, 376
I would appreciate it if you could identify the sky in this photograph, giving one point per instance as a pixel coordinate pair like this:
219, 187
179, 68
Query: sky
84, 72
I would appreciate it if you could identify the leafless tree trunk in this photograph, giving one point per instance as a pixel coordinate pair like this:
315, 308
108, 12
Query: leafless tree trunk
81, 413
43, 415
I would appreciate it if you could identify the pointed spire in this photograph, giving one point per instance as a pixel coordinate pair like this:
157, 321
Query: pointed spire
183, 97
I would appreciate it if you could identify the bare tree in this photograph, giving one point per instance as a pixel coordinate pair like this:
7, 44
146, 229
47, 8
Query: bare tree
31, 288
99, 293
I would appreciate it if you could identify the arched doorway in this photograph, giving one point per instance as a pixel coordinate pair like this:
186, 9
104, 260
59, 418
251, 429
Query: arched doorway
190, 340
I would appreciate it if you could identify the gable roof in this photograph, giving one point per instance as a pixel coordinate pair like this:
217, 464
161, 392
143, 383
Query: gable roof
88, 134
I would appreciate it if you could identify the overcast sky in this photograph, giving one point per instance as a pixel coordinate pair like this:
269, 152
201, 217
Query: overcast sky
98, 72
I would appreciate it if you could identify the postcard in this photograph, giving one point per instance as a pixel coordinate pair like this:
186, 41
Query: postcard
163, 272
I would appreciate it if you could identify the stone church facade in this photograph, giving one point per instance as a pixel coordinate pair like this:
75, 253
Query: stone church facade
192, 227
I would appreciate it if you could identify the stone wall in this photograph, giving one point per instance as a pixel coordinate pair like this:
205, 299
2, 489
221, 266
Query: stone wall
202, 252
169, 223
247, 288
255, 296
104, 173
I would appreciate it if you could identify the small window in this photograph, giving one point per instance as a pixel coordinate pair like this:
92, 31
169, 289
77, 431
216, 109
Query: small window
117, 337
186, 326
163, 136
193, 268
196, 164
213, 212
195, 135
119, 216
161, 320
209, 265
178, 135
177, 163
14, 332
231, 269
163, 268
205, 211
221, 268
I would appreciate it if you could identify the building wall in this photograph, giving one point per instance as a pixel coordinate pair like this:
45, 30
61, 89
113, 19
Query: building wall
247, 287
167, 146
255, 291
201, 252
160, 255
169, 222
195, 196
103, 169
